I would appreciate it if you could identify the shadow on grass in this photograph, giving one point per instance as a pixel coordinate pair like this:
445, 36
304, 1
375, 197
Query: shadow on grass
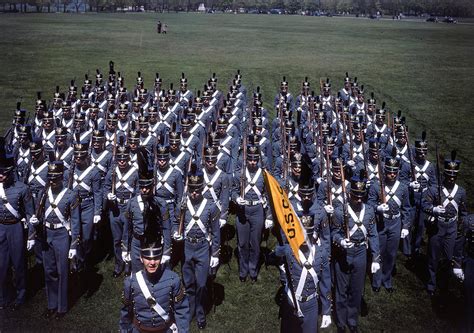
216, 295
85, 283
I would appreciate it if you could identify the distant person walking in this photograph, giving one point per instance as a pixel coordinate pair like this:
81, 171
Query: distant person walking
164, 29
159, 27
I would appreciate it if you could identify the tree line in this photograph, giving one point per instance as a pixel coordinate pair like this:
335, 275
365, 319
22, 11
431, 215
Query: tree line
456, 8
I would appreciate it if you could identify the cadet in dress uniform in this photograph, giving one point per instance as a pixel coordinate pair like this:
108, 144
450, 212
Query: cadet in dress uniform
189, 142
393, 208
446, 205
216, 184
185, 96
36, 180
154, 298
169, 181
178, 159
251, 214
200, 227
63, 152
354, 231
301, 103
143, 210
346, 91
425, 177
22, 151
100, 157
111, 131
378, 129
15, 204
337, 195
85, 181
47, 134
284, 96
309, 212
121, 184
147, 139
304, 279
61, 235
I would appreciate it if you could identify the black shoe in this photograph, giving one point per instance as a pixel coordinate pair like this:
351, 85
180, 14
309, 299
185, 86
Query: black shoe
15, 307
49, 313
116, 274
242, 279
59, 315
431, 293
253, 279
390, 290
376, 289
201, 325
341, 329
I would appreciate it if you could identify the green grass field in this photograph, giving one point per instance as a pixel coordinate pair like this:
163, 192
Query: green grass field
425, 70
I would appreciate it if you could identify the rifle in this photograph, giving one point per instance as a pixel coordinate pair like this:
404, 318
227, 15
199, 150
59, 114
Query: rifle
243, 177
379, 171
345, 211
70, 182
42, 202
351, 140
344, 127
328, 178
182, 206
311, 112
363, 147
114, 166
287, 165
412, 166
282, 126
336, 112
438, 174
320, 140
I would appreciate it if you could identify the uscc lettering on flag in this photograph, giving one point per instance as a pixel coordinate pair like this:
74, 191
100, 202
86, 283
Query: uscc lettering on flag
284, 213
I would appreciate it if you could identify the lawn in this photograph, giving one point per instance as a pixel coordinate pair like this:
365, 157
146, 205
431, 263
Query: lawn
423, 69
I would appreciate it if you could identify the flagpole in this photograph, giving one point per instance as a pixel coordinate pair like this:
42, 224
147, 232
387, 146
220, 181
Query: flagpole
279, 238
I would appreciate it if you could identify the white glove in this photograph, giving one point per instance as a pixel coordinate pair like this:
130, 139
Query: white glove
404, 233
222, 223
382, 208
375, 267
351, 163
214, 262
415, 185
126, 256
34, 220
326, 321
96, 219
165, 258
438, 210
177, 236
329, 209
268, 223
459, 273
72, 253
347, 244
319, 180
241, 201
111, 197
29, 244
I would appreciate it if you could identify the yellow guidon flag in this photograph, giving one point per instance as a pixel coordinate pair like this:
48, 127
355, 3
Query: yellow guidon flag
284, 213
